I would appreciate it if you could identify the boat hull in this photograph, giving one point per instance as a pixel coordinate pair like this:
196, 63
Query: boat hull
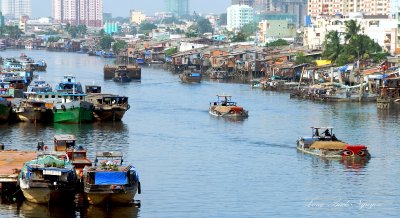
73, 112
31, 115
46, 195
243, 114
108, 115
4, 112
190, 79
111, 197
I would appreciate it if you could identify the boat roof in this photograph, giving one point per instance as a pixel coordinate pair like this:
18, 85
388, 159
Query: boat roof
224, 95
109, 154
65, 137
321, 127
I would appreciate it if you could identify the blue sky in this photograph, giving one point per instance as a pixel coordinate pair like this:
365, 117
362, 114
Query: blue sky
122, 7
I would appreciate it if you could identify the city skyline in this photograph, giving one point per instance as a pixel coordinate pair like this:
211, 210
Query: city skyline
124, 6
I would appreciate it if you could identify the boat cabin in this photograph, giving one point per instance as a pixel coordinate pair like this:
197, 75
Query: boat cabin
323, 133
63, 142
224, 100
92, 89
106, 156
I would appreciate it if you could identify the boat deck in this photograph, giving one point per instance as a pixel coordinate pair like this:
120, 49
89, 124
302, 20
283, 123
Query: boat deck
11, 163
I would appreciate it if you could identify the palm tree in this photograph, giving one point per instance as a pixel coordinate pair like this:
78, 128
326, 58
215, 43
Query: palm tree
332, 46
352, 29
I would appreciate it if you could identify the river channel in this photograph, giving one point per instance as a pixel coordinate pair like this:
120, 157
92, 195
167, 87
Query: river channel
194, 165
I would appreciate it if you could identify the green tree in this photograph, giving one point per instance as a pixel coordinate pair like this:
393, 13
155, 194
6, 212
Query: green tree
204, 26
105, 42
249, 29
102, 33
332, 46
352, 29
118, 45
239, 37
13, 32
147, 27
53, 39
301, 58
223, 19
171, 51
192, 31
278, 42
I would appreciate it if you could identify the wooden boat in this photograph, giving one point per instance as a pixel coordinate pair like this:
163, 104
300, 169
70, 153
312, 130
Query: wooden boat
40, 65
110, 182
190, 77
108, 107
389, 96
5, 108
133, 72
121, 76
225, 107
328, 146
48, 178
31, 110
76, 154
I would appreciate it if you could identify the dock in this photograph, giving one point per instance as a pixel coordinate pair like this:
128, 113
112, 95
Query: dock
11, 162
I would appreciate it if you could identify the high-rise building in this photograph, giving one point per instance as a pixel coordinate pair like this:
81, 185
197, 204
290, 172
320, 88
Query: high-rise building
13, 9
263, 6
243, 2
238, 16
344, 7
177, 7
79, 12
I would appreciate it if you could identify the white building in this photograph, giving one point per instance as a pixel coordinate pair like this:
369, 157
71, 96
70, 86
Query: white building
238, 16
381, 29
14, 9
79, 12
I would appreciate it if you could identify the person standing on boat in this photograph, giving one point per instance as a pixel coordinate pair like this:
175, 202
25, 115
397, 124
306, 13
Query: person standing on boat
327, 133
316, 132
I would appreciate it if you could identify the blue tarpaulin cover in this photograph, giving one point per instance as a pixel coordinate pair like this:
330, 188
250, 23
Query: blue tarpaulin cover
110, 178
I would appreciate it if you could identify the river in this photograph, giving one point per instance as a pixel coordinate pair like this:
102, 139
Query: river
195, 165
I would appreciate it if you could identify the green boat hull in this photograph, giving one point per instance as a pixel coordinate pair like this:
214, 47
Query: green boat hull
4, 113
73, 115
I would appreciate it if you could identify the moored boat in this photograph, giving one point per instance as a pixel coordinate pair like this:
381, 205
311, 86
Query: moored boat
110, 182
133, 72
73, 109
121, 76
30, 110
40, 65
76, 154
5, 108
225, 107
69, 85
190, 77
328, 146
39, 86
48, 178
108, 107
